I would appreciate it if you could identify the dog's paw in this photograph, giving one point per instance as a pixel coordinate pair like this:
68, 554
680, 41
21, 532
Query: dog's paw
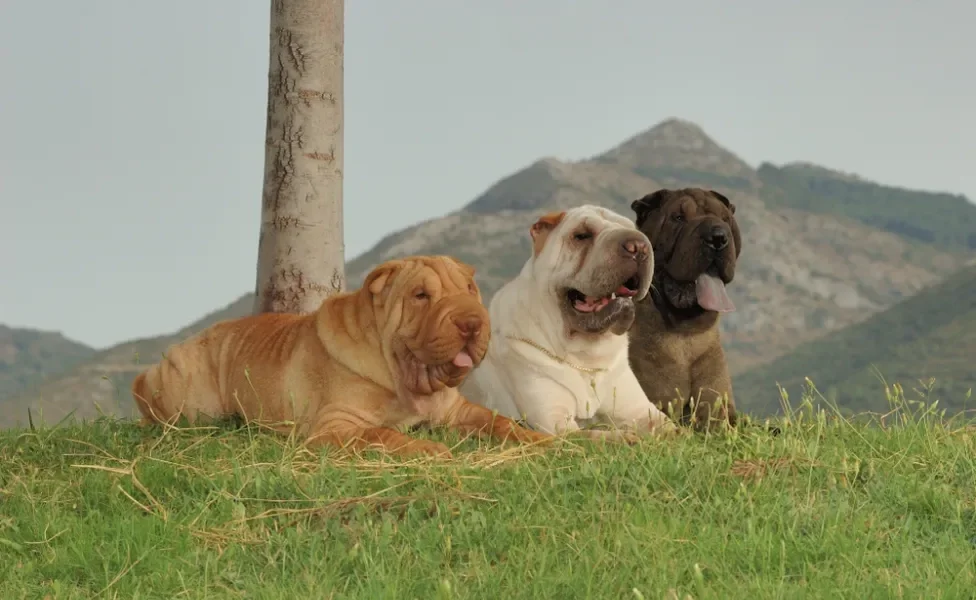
528, 436
425, 448
665, 429
628, 437
624, 436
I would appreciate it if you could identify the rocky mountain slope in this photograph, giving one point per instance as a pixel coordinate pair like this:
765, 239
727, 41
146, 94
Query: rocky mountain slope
804, 271
29, 355
926, 343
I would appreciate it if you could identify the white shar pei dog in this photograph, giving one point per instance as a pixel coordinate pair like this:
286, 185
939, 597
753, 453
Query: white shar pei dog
558, 351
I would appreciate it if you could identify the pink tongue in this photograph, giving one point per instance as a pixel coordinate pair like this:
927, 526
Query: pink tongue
711, 294
463, 360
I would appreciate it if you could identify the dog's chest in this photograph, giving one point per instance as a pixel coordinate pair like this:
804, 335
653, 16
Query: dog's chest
674, 348
415, 409
424, 408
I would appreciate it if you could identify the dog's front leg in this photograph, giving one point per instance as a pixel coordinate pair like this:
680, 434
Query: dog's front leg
547, 406
711, 391
469, 417
629, 407
377, 438
357, 430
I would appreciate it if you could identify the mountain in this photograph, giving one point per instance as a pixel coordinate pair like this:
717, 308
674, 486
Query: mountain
101, 377
905, 212
803, 271
28, 355
926, 343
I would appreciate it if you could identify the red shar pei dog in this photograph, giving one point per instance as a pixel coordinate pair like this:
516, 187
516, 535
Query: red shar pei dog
390, 355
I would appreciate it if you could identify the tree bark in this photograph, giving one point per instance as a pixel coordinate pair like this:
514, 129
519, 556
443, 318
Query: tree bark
301, 249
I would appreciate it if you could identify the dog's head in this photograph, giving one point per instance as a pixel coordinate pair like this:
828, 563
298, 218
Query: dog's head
696, 244
595, 263
430, 318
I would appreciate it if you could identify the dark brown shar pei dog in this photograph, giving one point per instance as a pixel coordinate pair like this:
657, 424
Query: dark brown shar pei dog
389, 355
675, 347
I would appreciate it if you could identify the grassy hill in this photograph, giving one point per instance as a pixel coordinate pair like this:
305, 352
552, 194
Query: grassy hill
907, 213
802, 272
826, 509
926, 343
29, 355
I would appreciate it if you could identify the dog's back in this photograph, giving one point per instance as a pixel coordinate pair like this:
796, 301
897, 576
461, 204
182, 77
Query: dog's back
215, 373
179, 384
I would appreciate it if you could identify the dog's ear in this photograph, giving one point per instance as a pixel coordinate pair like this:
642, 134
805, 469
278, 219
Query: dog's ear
724, 201
469, 272
644, 206
541, 229
379, 277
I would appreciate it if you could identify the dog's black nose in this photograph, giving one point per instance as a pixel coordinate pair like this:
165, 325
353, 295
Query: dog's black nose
716, 238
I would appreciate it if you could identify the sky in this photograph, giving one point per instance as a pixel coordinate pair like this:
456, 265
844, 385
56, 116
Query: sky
131, 131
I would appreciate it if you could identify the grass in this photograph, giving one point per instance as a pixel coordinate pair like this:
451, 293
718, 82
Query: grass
827, 508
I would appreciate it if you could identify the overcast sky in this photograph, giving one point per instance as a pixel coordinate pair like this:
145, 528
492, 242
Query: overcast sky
131, 131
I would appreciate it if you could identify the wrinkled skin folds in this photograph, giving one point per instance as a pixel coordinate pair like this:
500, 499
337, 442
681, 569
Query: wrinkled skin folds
675, 348
364, 365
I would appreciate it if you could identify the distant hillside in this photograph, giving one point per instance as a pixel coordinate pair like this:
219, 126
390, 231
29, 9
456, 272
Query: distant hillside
101, 377
908, 213
930, 336
29, 355
803, 272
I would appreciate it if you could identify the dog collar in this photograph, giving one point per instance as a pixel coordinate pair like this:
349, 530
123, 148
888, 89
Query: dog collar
556, 358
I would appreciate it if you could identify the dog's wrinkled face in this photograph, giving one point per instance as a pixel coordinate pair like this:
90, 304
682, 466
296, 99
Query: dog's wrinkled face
595, 263
431, 319
696, 243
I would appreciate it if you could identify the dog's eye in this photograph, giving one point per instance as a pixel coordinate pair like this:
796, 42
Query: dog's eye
583, 235
421, 295
677, 217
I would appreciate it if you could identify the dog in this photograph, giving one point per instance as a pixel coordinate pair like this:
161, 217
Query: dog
675, 346
558, 356
390, 355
